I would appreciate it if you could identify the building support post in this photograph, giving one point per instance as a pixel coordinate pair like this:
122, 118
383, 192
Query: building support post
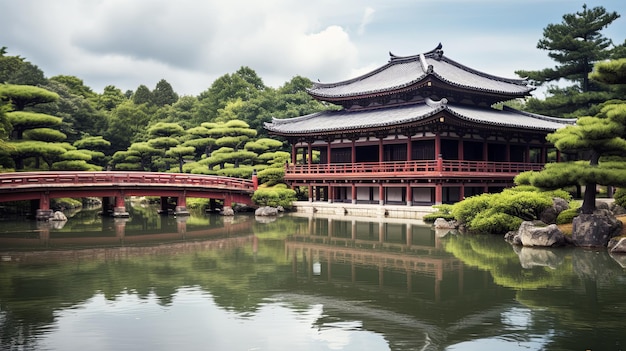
460, 150
409, 194
409, 148
438, 193
353, 193
331, 193
437, 145
381, 194
310, 193
294, 152
309, 150
328, 152
353, 152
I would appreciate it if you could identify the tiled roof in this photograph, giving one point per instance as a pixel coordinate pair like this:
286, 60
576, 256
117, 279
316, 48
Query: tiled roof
401, 72
345, 120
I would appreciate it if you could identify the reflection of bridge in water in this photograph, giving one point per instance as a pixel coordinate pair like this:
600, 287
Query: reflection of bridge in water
339, 250
45, 236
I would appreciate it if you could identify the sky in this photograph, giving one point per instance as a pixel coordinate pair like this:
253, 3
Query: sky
190, 43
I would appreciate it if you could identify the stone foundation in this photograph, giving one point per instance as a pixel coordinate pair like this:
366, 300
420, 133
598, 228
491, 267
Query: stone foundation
370, 211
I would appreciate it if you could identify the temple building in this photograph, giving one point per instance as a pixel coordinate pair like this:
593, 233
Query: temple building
420, 130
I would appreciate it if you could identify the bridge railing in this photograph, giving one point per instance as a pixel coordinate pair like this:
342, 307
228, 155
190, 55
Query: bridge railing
31, 179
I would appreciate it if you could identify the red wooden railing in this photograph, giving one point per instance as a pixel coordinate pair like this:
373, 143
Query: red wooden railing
68, 178
412, 167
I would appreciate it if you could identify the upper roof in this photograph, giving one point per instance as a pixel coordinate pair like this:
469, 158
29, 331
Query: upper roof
346, 120
402, 72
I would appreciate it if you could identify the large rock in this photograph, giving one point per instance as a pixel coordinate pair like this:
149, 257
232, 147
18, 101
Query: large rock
550, 214
228, 211
617, 245
596, 229
441, 223
531, 234
266, 211
58, 216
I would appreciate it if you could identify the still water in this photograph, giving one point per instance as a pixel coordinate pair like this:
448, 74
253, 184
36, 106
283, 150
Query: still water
296, 283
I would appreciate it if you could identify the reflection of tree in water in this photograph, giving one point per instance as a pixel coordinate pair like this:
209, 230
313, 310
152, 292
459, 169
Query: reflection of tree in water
502, 261
575, 292
236, 272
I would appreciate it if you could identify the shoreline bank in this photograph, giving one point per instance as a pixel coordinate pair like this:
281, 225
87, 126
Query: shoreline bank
365, 211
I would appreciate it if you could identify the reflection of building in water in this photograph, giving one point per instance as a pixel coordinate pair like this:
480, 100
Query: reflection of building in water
382, 254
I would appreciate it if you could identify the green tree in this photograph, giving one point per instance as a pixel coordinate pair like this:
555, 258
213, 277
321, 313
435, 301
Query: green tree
23, 96
27, 74
142, 95
126, 121
179, 153
163, 94
110, 98
23, 121
8, 65
575, 44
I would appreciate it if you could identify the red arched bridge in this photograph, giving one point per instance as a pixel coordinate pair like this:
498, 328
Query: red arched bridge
43, 186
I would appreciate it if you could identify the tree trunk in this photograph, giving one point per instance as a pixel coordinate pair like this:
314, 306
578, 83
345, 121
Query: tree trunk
589, 200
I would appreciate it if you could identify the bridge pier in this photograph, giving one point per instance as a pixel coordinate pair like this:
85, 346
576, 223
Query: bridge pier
119, 211
181, 206
43, 211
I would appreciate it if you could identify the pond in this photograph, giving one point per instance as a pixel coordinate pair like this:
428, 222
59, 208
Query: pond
296, 283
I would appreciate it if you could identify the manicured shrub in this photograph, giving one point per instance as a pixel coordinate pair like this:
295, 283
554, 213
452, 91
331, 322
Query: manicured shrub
278, 195
494, 222
503, 212
444, 211
620, 197
567, 216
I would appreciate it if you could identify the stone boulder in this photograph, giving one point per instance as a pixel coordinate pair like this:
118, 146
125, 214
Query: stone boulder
58, 216
228, 211
441, 223
537, 234
596, 229
550, 214
617, 245
617, 209
266, 211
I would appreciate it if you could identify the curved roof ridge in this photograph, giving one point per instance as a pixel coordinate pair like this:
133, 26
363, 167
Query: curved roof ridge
446, 59
277, 121
538, 116
392, 61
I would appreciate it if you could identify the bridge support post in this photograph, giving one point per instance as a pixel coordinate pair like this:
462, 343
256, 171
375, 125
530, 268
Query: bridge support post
43, 212
181, 206
119, 211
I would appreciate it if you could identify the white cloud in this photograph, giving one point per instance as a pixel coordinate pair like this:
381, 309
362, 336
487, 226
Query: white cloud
367, 18
190, 43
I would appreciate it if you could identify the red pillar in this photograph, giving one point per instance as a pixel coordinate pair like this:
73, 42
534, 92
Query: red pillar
255, 180
461, 151
409, 148
181, 205
438, 194
381, 150
310, 153
437, 145
409, 194
293, 154
508, 152
485, 151
328, 153
43, 211
120, 206
353, 193
310, 193
353, 152
331, 193
381, 194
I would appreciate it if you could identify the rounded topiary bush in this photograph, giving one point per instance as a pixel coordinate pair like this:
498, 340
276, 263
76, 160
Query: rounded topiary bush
567, 216
620, 197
